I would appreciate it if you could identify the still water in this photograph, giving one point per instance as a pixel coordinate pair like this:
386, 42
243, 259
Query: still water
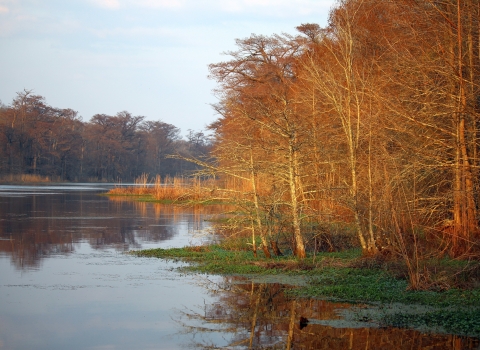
66, 283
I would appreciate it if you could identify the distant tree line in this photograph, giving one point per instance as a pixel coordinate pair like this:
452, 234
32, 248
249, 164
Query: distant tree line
42, 140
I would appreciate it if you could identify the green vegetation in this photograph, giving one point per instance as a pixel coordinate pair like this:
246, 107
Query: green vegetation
373, 285
346, 276
329, 275
462, 322
211, 259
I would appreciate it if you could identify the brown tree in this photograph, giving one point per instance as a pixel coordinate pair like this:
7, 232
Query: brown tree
259, 86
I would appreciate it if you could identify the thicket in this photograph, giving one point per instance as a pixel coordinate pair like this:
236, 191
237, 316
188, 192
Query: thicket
369, 126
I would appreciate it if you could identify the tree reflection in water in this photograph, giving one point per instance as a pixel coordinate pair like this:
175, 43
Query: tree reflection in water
260, 316
36, 226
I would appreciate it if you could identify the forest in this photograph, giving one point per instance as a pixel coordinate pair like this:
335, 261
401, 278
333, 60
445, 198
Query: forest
369, 126
52, 143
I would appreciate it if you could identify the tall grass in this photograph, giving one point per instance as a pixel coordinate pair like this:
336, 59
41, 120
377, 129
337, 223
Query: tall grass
28, 178
170, 189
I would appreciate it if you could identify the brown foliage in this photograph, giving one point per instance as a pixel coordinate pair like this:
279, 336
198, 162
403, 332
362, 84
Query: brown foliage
371, 122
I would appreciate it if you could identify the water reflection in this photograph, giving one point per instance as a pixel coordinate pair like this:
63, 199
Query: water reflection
86, 295
259, 316
35, 225
65, 284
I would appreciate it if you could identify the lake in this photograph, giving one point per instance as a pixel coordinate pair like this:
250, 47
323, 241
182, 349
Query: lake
66, 282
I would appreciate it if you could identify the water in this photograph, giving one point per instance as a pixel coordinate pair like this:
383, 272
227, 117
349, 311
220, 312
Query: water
66, 282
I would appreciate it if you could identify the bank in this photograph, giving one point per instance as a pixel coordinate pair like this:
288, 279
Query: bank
378, 284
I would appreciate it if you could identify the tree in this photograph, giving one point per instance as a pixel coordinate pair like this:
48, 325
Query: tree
160, 141
258, 84
340, 73
112, 145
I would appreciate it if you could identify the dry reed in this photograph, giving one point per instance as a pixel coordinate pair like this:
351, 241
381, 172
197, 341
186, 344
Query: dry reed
28, 178
170, 189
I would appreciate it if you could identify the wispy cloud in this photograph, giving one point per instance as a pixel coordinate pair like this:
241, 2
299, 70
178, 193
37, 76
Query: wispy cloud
275, 7
107, 4
268, 8
160, 4
5, 6
135, 32
151, 4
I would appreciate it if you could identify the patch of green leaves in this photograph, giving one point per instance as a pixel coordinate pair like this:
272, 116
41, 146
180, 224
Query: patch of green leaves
370, 285
459, 322
209, 259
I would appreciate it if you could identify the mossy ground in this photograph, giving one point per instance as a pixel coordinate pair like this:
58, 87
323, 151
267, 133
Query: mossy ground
341, 276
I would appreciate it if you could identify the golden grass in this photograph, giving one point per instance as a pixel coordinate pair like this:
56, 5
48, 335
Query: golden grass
226, 190
28, 178
170, 189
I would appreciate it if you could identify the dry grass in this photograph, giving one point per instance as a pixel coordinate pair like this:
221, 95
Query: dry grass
28, 178
170, 189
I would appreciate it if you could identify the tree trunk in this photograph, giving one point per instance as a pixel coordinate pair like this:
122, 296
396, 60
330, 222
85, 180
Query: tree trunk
257, 208
297, 234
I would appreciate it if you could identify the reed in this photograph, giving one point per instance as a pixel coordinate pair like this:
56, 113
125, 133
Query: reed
170, 189
28, 178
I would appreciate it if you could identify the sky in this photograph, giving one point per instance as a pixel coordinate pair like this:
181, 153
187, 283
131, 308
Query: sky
147, 57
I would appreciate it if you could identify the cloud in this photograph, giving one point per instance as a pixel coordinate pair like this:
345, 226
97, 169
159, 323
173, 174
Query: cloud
269, 8
149, 4
281, 8
6, 6
160, 4
132, 32
107, 4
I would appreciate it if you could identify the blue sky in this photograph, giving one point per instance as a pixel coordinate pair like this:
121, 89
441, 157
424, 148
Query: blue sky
148, 57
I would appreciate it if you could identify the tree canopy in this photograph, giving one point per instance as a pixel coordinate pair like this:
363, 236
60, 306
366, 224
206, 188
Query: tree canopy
39, 139
371, 122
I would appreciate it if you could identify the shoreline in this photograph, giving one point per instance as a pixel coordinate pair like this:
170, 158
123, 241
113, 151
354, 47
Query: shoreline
340, 277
